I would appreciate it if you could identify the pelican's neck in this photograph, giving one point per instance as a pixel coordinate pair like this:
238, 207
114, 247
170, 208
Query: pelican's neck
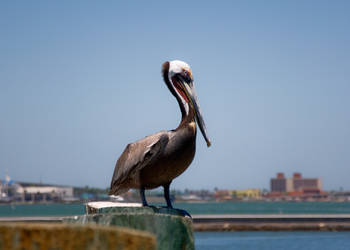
187, 114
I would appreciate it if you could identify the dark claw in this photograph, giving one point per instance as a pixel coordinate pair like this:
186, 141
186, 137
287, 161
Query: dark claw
184, 213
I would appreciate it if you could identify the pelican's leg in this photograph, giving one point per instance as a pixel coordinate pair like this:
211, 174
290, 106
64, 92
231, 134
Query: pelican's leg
168, 201
143, 197
167, 195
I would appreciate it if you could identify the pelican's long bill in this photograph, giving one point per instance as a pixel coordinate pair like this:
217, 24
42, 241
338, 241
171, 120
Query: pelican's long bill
191, 93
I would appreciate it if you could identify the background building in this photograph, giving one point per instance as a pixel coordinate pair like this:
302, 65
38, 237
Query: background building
246, 194
296, 184
243, 194
11, 191
45, 193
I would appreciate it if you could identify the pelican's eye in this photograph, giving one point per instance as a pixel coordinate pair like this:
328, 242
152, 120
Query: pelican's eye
186, 76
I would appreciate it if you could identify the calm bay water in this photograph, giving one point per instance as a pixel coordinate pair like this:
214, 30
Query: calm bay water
266, 207
193, 208
273, 240
42, 210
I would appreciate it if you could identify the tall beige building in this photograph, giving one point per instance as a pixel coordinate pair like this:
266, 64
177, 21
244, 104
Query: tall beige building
296, 184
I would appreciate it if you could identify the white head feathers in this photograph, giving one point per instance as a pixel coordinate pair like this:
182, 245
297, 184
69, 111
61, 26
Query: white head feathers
177, 66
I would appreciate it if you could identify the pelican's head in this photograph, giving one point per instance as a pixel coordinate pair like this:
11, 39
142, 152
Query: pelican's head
178, 76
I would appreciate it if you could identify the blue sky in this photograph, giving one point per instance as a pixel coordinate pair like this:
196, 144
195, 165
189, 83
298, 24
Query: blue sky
79, 80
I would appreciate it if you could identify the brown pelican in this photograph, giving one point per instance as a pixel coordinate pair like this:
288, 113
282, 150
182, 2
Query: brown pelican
157, 159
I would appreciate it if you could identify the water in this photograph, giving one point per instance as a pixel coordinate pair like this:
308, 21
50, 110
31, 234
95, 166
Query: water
273, 240
193, 208
266, 207
42, 210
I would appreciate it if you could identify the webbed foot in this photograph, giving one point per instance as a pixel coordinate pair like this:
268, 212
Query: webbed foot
184, 213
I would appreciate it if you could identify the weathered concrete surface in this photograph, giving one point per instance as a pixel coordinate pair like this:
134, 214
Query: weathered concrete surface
118, 207
96, 205
172, 231
66, 236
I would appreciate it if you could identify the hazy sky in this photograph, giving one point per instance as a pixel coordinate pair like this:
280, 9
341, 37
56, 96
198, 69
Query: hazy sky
81, 79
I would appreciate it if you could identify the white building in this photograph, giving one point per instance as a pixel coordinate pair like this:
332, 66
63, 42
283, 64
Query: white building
45, 193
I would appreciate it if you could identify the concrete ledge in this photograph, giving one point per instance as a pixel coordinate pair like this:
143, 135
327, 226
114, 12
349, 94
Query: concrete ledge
108, 206
119, 207
172, 231
65, 236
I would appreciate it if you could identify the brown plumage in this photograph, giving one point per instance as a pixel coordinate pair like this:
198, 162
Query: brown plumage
159, 158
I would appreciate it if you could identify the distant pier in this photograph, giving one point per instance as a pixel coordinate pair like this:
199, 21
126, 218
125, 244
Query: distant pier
244, 222
272, 222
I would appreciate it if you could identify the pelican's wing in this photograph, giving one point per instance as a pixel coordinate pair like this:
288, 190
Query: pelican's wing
136, 156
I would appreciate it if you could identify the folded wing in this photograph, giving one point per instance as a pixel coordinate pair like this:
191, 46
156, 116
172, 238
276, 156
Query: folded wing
136, 156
